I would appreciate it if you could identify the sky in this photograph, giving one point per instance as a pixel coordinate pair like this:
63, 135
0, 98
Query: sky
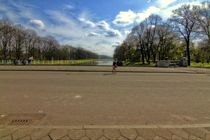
96, 25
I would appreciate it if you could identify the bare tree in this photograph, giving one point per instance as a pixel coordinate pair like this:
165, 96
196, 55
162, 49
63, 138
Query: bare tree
6, 34
165, 38
137, 37
31, 40
151, 23
184, 22
20, 36
203, 18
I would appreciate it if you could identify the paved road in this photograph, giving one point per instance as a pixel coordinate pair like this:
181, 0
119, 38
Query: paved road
104, 99
49, 105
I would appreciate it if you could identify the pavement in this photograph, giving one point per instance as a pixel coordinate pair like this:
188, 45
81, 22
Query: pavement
105, 69
63, 103
107, 133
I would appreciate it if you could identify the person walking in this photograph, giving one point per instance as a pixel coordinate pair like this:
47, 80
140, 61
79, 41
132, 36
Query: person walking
114, 66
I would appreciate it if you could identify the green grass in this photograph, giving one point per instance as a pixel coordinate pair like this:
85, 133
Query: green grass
139, 64
202, 65
60, 62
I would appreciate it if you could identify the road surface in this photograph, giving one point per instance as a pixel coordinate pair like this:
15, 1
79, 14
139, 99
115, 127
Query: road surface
75, 98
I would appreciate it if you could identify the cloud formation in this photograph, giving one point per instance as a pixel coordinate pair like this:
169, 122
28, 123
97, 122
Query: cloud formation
37, 23
125, 18
93, 34
86, 22
96, 36
163, 8
165, 3
107, 30
81, 27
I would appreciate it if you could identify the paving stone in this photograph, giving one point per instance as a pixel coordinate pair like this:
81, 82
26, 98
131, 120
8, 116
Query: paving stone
20, 133
164, 133
65, 138
103, 138
139, 138
122, 138
39, 133
200, 133
58, 133
208, 136
94, 134
76, 134
208, 129
195, 138
147, 134
85, 138
131, 134
6, 138
112, 134
174, 137
159, 138
179, 132
25, 138
45, 138
4, 132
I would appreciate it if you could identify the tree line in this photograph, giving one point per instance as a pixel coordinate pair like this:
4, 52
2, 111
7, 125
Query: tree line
185, 34
17, 42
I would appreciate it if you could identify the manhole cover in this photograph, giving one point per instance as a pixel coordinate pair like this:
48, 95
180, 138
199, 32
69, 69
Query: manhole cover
21, 119
20, 122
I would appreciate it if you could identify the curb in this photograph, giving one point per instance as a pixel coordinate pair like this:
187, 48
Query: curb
98, 71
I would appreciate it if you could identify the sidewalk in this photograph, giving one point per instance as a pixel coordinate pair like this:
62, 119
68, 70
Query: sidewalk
106, 69
176, 132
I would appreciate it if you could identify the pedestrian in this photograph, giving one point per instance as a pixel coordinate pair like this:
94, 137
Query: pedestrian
114, 66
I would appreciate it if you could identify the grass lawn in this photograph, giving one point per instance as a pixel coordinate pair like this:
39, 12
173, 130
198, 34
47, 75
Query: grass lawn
139, 64
60, 62
193, 64
203, 65
64, 62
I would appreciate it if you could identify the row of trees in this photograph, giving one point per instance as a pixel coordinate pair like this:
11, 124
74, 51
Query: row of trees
16, 42
157, 39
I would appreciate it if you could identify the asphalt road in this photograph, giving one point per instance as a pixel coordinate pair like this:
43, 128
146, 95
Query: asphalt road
71, 98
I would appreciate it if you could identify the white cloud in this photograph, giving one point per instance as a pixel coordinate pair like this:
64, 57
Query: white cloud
163, 8
112, 33
93, 34
129, 17
107, 30
145, 14
125, 18
16, 12
116, 44
37, 23
126, 32
165, 3
148, 1
99, 38
87, 22
69, 7
103, 25
168, 11
77, 30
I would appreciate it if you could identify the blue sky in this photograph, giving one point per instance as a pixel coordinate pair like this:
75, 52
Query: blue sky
97, 25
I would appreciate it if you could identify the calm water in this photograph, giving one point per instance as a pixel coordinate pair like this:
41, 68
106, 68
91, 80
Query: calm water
104, 62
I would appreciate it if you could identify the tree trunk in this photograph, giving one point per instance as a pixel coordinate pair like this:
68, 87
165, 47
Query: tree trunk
148, 58
142, 56
188, 53
154, 58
